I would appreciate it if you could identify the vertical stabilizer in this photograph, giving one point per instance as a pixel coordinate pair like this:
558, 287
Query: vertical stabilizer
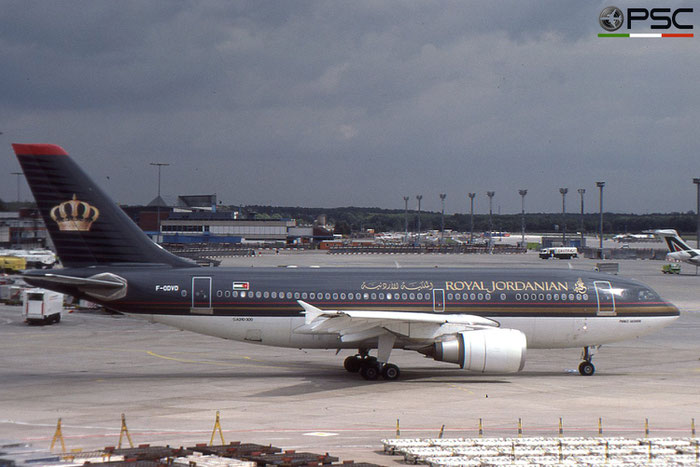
86, 226
674, 242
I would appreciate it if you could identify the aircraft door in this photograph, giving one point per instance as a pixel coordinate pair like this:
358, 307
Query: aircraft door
201, 293
438, 300
606, 298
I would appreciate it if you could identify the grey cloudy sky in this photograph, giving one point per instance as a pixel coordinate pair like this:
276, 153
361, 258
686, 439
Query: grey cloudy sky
323, 103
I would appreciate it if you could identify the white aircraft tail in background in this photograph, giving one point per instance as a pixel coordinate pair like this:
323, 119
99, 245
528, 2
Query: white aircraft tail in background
678, 250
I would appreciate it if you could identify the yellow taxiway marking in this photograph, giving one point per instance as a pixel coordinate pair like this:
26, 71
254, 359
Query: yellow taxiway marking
250, 361
456, 386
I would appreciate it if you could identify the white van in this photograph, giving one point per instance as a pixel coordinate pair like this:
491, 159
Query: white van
41, 306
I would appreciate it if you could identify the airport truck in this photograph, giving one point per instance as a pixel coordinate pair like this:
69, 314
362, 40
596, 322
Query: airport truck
561, 252
41, 306
12, 264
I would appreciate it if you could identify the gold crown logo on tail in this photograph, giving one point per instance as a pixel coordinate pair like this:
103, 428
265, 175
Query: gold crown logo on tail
74, 215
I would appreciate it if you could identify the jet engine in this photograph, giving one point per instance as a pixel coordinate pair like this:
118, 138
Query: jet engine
484, 350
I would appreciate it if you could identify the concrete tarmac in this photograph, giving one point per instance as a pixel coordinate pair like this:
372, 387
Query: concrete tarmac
92, 367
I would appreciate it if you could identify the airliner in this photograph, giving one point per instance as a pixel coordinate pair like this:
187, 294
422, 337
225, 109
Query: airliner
678, 250
483, 320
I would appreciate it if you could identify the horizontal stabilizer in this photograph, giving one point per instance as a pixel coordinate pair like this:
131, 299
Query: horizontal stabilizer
81, 281
104, 286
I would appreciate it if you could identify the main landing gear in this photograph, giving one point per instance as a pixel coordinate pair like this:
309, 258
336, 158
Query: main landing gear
370, 368
586, 368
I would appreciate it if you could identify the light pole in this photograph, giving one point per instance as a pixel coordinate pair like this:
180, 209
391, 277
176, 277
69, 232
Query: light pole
419, 197
522, 227
582, 191
471, 221
697, 212
442, 218
563, 192
405, 200
19, 174
601, 185
159, 165
490, 194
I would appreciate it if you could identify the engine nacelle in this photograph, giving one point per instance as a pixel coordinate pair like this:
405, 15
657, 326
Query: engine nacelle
485, 350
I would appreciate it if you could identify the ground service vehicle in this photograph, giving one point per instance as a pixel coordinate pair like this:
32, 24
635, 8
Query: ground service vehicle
42, 306
11, 264
561, 252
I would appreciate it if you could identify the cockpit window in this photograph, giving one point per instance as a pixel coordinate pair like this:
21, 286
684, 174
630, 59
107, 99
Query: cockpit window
646, 295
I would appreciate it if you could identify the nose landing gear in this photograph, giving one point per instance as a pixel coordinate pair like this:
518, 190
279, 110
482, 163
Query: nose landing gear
586, 367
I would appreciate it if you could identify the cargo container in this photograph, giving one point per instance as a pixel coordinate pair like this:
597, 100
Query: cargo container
41, 306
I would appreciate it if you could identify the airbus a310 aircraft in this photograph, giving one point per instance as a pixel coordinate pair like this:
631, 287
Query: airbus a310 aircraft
483, 320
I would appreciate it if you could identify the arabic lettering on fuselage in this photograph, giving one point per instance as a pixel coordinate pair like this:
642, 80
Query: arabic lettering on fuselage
386, 285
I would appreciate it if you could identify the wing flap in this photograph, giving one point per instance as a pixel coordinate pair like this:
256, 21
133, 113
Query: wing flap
358, 325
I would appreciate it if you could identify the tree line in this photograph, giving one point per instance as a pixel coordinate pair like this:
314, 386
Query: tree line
349, 220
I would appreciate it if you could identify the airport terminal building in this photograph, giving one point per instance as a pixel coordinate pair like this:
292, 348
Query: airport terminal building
197, 219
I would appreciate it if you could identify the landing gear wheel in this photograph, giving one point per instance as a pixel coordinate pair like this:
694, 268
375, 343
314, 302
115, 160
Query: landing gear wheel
370, 372
353, 364
586, 369
391, 372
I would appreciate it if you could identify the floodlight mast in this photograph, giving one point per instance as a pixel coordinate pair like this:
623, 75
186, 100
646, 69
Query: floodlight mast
601, 185
697, 212
522, 227
405, 200
563, 192
159, 165
582, 191
490, 194
419, 197
471, 222
19, 177
442, 218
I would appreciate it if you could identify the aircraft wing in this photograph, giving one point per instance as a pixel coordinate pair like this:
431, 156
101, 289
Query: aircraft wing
358, 325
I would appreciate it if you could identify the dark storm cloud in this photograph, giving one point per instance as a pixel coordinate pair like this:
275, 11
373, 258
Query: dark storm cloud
354, 103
